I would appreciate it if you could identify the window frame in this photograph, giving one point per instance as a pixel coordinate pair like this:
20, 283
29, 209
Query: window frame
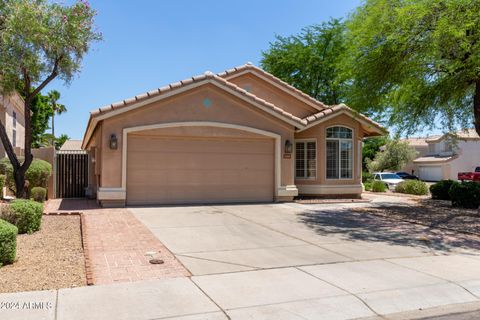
14, 138
305, 141
352, 140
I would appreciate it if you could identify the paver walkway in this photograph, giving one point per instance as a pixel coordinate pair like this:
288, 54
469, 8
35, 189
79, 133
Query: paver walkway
116, 246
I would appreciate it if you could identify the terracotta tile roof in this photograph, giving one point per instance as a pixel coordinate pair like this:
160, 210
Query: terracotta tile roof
288, 87
434, 159
462, 134
312, 119
419, 142
207, 76
72, 145
219, 80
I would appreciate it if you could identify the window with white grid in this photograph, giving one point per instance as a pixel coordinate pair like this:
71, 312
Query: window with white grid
339, 153
306, 159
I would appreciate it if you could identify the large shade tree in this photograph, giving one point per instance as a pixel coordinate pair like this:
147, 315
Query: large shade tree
39, 41
416, 62
310, 61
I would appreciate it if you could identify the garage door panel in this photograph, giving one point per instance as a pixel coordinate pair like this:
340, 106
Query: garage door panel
194, 162
163, 171
195, 178
431, 173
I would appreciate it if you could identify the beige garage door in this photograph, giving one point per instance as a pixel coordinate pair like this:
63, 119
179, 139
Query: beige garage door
168, 170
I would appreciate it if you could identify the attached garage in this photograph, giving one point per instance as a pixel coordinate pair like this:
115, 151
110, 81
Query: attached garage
217, 138
431, 173
198, 165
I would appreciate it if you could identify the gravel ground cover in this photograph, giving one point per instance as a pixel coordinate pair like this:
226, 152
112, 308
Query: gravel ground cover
433, 213
51, 258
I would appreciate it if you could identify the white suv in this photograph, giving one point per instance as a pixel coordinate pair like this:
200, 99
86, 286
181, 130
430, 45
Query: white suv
390, 179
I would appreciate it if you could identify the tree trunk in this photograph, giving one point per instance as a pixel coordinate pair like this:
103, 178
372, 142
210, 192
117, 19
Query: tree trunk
476, 107
20, 187
20, 184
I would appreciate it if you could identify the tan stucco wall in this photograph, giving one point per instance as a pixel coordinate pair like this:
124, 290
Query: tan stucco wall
94, 166
8, 105
421, 152
270, 93
318, 132
225, 108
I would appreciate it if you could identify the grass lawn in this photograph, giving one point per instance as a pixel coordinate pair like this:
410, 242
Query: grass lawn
51, 258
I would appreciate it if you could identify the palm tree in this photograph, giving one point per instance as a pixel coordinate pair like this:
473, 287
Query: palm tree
57, 108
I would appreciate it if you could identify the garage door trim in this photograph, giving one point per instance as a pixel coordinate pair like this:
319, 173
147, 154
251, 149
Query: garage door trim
277, 137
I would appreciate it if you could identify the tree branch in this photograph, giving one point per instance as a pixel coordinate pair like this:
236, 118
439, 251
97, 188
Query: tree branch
49, 78
8, 147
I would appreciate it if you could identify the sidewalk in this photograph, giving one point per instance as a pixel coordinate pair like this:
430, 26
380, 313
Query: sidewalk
281, 293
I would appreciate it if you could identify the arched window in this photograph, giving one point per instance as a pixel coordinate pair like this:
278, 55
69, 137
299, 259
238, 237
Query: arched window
339, 153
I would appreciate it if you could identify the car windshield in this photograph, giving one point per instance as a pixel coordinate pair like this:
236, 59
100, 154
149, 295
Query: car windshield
390, 176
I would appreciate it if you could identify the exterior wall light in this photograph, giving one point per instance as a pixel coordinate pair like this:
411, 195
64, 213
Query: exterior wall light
288, 146
113, 142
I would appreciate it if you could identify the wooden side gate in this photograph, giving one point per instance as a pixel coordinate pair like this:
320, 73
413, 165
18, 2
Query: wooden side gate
71, 168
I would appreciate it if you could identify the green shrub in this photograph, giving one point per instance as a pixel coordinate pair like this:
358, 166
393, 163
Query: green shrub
440, 189
37, 174
465, 194
8, 242
25, 214
368, 186
39, 194
2, 183
415, 187
378, 186
367, 176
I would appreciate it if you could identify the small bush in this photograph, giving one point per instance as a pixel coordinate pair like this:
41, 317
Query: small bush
2, 183
367, 176
25, 214
440, 189
378, 186
37, 174
368, 186
415, 187
465, 195
8, 242
39, 194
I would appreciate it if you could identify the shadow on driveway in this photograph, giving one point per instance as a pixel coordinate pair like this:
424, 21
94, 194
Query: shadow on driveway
367, 227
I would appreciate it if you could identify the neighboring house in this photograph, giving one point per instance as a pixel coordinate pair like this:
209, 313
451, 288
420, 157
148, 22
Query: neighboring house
71, 145
442, 157
239, 136
12, 117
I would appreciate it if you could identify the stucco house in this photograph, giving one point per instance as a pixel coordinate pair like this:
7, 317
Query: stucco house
241, 135
12, 117
444, 156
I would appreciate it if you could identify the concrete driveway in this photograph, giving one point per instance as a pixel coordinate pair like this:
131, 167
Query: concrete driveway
219, 239
293, 261
279, 262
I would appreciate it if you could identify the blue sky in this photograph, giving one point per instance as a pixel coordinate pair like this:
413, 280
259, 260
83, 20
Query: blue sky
149, 43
